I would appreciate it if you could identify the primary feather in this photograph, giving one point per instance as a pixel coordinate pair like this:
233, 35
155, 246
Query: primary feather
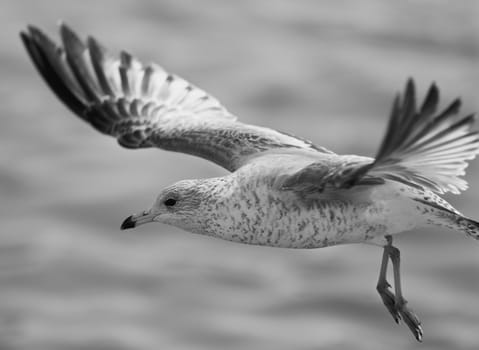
424, 148
144, 106
421, 149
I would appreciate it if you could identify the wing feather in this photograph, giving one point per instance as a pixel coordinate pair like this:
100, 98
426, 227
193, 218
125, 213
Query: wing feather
432, 150
332, 173
144, 106
419, 149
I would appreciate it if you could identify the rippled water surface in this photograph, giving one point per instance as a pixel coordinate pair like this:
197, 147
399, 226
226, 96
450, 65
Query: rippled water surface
325, 70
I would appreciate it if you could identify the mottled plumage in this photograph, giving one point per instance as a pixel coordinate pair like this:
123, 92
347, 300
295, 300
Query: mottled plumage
283, 191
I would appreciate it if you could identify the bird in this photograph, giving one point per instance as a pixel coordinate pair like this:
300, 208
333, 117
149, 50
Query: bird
281, 190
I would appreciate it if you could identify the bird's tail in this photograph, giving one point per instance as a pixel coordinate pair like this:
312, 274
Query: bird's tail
443, 214
468, 226
425, 149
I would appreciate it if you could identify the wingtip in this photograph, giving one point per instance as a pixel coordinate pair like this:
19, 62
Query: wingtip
455, 106
26, 40
34, 32
92, 42
62, 26
470, 118
434, 89
126, 58
36, 35
23, 35
31, 28
69, 37
410, 84
431, 101
410, 87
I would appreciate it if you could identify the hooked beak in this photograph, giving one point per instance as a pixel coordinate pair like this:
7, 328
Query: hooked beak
138, 219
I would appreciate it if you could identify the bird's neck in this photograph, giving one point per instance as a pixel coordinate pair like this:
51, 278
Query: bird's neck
215, 195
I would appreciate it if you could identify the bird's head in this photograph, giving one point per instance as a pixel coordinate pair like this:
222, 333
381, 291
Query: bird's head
177, 205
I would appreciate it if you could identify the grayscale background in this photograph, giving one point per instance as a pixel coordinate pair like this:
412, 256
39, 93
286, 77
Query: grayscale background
324, 70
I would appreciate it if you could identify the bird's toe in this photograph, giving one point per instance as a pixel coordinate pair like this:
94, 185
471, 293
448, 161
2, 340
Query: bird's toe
389, 300
411, 320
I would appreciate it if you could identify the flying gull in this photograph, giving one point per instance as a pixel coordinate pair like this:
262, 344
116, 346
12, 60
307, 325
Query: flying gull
283, 191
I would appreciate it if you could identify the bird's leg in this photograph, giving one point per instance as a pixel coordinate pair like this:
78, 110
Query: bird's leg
383, 286
408, 316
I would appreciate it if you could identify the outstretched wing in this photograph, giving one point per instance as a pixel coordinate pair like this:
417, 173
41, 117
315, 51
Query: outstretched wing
144, 106
421, 149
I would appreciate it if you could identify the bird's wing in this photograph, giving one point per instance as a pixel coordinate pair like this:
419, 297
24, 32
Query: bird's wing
421, 149
332, 173
144, 106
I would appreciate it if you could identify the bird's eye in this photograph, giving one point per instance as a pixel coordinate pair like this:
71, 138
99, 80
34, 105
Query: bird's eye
170, 202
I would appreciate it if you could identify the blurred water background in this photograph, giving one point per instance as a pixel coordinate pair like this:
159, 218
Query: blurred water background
324, 70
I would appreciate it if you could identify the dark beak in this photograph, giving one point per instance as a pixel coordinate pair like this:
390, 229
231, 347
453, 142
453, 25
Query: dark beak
138, 219
128, 223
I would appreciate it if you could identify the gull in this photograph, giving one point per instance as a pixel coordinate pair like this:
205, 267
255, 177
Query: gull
282, 190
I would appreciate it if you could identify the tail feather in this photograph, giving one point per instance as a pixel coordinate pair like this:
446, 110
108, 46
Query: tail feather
468, 226
427, 150
447, 216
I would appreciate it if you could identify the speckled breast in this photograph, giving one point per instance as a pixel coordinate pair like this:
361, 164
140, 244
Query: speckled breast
258, 214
